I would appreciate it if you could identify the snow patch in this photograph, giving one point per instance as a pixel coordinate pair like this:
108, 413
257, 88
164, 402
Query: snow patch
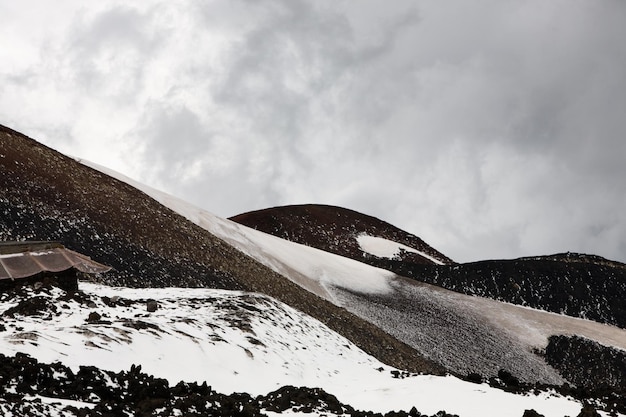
385, 248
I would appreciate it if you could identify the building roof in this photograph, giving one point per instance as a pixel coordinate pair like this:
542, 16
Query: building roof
25, 259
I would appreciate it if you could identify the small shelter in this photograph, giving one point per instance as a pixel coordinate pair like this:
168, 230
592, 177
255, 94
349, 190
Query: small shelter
29, 262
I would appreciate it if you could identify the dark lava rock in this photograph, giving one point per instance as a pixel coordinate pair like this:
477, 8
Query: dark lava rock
138, 394
577, 285
588, 411
32, 306
587, 363
152, 306
532, 413
599, 372
305, 400
474, 377
333, 229
94, 317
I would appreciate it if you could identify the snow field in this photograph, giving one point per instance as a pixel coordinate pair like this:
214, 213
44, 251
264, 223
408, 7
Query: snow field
242, 342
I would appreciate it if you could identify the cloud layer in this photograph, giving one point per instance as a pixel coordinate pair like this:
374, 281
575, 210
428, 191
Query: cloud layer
490, 129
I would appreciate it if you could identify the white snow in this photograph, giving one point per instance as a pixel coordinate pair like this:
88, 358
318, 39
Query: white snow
197, 335
61, 402
385, 248
311, 268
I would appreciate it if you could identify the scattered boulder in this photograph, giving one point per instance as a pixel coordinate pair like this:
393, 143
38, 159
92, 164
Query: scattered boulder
474, 377
302, 399
588, 411
508, 382
94, 317
32, 306
152, 306
139, 394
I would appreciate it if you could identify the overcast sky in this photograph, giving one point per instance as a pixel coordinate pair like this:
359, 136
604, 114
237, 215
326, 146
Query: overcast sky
490, 128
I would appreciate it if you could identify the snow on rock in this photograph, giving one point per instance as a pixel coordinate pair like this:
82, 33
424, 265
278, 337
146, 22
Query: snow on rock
39, 406
236, 342
385, 248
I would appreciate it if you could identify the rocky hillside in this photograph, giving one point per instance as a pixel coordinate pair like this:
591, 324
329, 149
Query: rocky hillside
577, 285
45, 195
605, 367
466, 334
335, 229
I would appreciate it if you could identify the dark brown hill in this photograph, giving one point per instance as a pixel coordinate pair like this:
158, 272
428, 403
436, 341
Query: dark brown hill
45, 195
335, 229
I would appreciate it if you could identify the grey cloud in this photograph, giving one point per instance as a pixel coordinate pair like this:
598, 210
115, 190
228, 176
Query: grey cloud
107, 52
176, 138
490, 129
403, 112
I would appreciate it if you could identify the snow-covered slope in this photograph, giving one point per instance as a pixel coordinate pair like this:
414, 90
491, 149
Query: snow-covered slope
312, 268
47, 196
562, 283
236, 342
464, 333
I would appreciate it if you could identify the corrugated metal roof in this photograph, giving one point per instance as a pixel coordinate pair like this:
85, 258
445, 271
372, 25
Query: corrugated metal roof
24, 259
26, 246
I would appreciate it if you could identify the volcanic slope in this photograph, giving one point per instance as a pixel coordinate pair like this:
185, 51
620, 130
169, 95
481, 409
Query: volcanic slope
465, 334
45, 195
341, 231
578, 285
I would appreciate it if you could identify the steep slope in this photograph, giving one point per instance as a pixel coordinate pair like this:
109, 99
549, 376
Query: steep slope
47, 196
336, 230
465, 334
577, 285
